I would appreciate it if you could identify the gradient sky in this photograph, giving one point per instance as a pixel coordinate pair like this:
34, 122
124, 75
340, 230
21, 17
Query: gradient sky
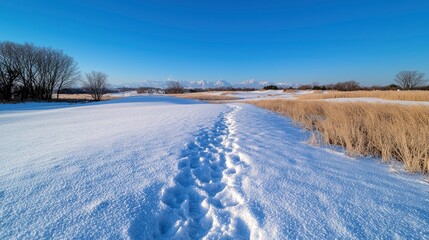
301, 41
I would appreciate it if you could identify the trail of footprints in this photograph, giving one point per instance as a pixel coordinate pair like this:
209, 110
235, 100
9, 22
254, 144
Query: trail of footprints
205, 200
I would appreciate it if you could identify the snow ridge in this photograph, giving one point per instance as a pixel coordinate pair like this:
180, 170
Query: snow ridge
206, 200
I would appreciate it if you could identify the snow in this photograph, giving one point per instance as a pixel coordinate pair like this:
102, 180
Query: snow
154, 167
262, 95
123, 94
301, 191
92, 171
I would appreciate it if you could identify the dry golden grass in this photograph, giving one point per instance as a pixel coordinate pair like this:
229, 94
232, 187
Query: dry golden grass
81, 97
227, 92
205, 97
385, 130
388, 95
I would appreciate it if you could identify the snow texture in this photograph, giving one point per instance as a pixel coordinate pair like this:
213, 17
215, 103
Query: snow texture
153, 167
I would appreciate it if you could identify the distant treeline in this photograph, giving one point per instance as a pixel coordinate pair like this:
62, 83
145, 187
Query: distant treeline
355, 86
29, 72
340, 86
406, 80
177, 88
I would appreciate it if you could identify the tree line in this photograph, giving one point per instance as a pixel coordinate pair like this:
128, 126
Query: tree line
404, 80
29, 72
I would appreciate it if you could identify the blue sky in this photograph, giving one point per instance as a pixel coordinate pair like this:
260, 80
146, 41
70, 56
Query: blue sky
301, 41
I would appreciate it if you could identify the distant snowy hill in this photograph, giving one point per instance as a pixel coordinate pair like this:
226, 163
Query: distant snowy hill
286, 85
252, 83
222, 83
203, 84
146, 83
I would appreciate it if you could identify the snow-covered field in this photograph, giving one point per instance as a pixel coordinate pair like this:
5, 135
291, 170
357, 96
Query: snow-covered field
154, 167
258, 94
262, 95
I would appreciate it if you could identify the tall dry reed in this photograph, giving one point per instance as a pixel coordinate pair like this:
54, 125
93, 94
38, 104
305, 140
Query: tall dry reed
385, 130
388, 95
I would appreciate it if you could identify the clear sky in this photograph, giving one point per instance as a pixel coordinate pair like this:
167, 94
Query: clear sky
300, 41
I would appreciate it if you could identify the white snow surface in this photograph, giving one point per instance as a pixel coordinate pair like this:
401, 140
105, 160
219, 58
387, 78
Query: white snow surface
264, 94
153, 167
123, 94
260, 94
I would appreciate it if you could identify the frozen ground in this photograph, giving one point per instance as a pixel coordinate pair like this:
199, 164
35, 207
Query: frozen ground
257, 94
279, 94
261, 95
165, 168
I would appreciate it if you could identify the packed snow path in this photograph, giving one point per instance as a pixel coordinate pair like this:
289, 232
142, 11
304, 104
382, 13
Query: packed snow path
206, 199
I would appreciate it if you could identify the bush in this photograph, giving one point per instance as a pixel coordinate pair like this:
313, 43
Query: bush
346, 86
174, 88
305, 87
316, 87
148, 90
271, 87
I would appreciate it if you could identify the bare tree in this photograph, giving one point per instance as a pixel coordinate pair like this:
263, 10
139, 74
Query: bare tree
9, 71
96, 84
32, 72
410, 79
68, 73
47, 67
174, 88
56, 70
27, 55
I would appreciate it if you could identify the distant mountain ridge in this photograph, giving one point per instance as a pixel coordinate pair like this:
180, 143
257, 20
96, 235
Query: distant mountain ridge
203, 84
